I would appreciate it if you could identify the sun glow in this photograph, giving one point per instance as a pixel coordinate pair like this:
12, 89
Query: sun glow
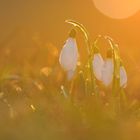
118, 9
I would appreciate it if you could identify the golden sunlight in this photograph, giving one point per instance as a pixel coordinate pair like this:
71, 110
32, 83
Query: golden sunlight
118, 9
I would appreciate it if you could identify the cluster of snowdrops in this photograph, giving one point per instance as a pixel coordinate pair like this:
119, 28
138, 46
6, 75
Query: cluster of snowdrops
109, 71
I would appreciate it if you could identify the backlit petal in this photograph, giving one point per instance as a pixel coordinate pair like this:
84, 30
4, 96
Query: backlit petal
107, 72
123, 77
98, 64
69, 55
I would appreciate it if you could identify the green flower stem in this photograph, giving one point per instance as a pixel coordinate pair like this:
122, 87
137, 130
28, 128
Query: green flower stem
84, 31
89, 50
116, 59
64, 91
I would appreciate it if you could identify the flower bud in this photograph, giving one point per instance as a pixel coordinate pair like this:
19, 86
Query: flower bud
123, 77
98, 64
107, 72
69, 54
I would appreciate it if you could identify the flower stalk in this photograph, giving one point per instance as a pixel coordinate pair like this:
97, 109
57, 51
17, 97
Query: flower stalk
90, 51
117, 66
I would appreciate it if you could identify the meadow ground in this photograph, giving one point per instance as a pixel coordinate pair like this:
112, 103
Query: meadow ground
35, 105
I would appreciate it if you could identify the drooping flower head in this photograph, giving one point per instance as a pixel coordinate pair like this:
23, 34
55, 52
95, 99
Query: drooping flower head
108, 69
69, 53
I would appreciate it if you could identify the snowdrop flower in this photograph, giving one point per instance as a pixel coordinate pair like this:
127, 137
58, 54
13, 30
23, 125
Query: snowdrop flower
108, 69
107, 72
98, 64
69, 54
123, 77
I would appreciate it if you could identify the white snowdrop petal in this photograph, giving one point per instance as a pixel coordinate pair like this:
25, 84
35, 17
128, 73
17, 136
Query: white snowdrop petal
69, 55
107, 72
123, 77
98, 63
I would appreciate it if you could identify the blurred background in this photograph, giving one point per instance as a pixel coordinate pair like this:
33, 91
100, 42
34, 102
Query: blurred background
32, 33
